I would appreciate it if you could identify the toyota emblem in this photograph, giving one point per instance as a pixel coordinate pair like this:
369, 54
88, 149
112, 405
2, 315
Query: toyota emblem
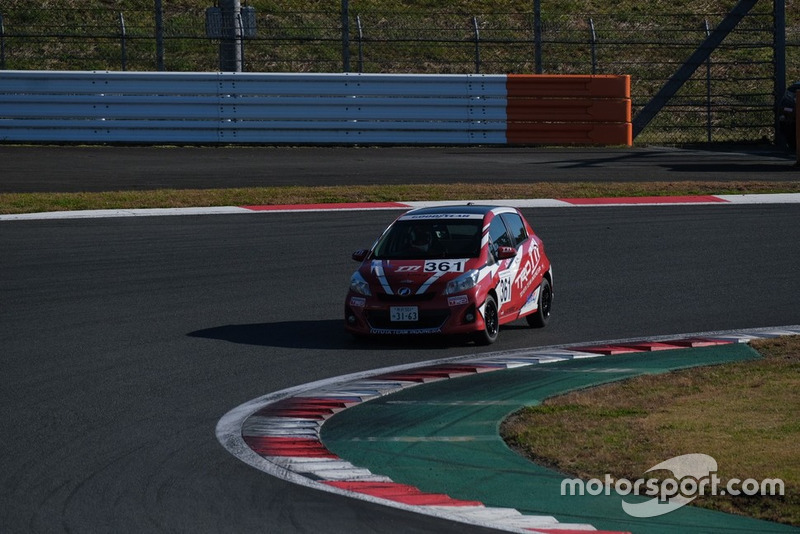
404, 292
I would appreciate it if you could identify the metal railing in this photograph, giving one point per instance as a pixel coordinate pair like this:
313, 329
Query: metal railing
731, 100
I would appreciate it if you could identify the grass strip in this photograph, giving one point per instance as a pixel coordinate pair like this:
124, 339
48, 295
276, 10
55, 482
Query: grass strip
11, 203
746, 415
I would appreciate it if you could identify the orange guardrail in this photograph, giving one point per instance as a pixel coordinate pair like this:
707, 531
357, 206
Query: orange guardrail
569, 109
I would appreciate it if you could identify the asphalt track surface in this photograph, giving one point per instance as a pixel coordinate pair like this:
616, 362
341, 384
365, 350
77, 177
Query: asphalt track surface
70, 169
125, 340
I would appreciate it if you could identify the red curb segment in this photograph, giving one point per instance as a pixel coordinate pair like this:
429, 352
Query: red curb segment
625, 348
687, 199
332, 206
401, 493
280, 446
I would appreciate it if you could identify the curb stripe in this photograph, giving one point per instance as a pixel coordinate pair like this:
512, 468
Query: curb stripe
696, 199
335, 206
778, 198
283, 429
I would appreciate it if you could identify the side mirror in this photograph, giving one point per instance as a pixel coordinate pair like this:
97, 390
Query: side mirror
361, 255
503, 253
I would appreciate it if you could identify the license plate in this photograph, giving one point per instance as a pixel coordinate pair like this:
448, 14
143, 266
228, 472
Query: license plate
404, 313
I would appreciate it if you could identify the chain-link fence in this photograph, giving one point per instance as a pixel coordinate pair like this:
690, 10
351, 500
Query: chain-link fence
729, 99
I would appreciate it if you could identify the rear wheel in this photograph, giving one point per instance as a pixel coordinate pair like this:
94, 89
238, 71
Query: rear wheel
540, 317
491, 320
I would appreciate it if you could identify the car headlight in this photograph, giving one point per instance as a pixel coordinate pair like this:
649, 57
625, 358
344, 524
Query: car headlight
468, 280
359, 285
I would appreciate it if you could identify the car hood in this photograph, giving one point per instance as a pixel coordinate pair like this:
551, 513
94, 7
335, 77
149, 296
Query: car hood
412, 277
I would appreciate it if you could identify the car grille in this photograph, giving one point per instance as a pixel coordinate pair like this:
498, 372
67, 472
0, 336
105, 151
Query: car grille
427, 319
383, 297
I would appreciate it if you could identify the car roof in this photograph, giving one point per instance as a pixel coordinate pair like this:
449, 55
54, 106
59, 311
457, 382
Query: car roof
468, 209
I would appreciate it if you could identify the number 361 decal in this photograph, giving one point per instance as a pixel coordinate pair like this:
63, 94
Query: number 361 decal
445, 266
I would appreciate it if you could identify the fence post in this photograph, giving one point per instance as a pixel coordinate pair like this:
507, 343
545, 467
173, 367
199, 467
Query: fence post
123, 43
360, 44
477, 45
779, 55
2, 44
230, 46
593, 37
537, 34
345, 36
159, 14
708, 87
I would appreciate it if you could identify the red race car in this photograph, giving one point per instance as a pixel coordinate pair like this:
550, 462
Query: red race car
463, 269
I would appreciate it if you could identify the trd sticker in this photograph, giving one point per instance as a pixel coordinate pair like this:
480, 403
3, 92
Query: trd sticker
458, 300
445, 266
358, 302
407, 268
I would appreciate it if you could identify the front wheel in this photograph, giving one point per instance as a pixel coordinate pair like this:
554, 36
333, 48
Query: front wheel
491, 320
540, 317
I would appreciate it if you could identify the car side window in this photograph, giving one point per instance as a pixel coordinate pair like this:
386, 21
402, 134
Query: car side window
515, 227
498, 236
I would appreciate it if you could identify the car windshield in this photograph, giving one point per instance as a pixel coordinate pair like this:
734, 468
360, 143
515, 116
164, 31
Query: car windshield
431, 238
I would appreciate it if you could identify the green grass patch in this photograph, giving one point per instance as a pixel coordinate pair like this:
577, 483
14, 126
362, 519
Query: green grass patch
744, 414
11, 203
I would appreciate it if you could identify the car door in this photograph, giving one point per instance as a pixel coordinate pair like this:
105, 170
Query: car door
499, 236
525, 272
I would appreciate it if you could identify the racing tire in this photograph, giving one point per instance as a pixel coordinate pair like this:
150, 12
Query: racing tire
491, 320
540, 317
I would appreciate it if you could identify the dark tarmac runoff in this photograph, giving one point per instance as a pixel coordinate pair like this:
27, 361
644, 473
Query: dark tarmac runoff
35, 168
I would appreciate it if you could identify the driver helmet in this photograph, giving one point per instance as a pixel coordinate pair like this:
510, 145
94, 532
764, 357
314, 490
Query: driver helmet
421, 239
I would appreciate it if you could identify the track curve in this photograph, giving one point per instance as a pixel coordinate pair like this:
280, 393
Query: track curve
125, 340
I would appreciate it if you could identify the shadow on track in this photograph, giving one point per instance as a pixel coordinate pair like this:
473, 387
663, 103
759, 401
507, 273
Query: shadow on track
326, 334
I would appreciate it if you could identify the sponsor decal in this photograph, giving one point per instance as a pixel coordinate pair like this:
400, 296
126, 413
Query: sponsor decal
434, 216
445, 266
532, 303
458, 300
405, 331
407, 268
358, 302
504, 289
524, 278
